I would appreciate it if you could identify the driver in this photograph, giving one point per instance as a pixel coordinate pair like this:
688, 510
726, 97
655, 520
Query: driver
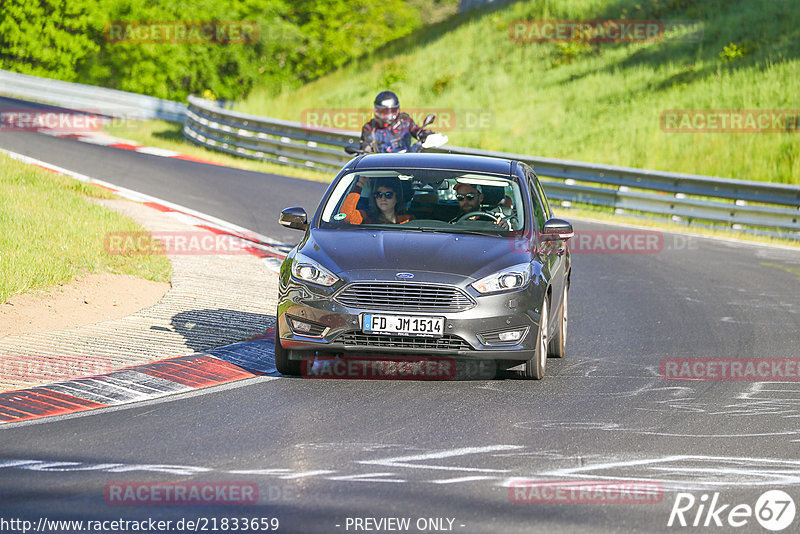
470, 198
390, 130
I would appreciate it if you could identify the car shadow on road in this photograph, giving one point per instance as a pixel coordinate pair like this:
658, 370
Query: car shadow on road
211, 328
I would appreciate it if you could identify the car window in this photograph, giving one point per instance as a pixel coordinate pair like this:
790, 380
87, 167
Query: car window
540, 209
547, 211
427, 199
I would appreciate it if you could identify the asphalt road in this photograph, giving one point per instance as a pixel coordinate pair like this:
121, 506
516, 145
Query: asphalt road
324, 453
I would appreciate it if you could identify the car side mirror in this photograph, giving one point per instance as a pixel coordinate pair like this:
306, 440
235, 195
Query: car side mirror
557, 229
428, 120
294, 218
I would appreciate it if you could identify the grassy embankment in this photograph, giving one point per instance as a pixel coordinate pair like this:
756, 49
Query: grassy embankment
592, 102
52, 232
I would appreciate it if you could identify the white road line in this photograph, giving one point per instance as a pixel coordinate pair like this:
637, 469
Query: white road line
369, 477
306, 474
461, 479
403, 461
263, 472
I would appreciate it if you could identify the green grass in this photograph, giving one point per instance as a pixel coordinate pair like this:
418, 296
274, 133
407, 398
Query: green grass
169, 135
592, 102
53, 232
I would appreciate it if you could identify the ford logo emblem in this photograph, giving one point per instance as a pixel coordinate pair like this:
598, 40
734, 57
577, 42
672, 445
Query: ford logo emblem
404, 276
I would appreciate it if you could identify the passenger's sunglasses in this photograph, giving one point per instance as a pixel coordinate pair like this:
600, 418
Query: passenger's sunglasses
384, 194
468, 196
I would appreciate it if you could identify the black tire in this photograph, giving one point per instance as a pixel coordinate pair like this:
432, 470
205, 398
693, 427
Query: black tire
535, 367
558, 343
284, 365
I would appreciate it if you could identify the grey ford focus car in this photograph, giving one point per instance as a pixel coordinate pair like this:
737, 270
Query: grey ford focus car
426, 255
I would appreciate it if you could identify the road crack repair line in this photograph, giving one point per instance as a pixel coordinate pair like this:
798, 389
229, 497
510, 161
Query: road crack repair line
674, 472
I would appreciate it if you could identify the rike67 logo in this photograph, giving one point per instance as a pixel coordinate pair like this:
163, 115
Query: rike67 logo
774, 510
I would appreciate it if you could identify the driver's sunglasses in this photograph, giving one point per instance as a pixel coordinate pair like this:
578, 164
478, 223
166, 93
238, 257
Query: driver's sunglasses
384, 194
468, 196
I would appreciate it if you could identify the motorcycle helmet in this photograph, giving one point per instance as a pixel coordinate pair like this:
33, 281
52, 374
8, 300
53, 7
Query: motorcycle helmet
387, 107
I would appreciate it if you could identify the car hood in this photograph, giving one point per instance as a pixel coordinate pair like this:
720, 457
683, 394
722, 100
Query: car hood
349, 253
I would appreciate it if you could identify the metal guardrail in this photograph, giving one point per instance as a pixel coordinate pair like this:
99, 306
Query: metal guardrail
739, 203
90, 98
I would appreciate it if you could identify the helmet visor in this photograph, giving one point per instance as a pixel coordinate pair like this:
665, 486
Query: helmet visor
386, 114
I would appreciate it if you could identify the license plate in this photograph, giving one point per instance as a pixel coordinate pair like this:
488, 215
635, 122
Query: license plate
403, 325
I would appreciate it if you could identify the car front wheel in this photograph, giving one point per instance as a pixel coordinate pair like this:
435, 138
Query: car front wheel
534, 368
284, 365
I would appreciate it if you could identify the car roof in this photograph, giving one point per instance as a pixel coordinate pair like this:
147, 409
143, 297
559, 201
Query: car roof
456, 162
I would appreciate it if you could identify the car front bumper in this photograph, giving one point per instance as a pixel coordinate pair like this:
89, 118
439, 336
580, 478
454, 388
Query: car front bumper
470, 333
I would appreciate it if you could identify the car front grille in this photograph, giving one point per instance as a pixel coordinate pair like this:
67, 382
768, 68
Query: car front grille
401, 296
447, 342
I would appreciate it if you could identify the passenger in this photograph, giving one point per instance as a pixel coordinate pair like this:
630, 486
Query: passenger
386, 204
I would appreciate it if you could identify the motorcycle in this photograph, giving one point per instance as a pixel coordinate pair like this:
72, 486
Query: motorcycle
433, 140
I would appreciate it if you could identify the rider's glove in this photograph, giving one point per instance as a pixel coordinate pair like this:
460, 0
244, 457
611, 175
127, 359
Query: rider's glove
434, 140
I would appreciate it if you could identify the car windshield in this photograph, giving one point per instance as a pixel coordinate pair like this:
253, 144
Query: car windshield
426, 199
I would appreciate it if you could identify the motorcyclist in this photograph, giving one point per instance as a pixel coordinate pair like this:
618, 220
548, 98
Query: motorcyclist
389, 130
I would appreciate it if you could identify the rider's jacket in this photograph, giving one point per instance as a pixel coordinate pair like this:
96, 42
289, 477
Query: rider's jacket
395, 137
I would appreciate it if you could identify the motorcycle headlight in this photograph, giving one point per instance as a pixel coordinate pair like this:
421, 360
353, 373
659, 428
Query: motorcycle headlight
513, 277
308, 270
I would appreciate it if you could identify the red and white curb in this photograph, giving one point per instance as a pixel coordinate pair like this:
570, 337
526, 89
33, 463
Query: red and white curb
231, 363
102, 139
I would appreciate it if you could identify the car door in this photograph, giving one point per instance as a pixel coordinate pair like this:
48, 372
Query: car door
553, 253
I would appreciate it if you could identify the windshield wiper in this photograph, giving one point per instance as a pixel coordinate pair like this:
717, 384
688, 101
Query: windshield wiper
388, 227
475, 232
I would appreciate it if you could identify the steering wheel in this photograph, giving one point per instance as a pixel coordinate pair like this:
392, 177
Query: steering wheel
486, 215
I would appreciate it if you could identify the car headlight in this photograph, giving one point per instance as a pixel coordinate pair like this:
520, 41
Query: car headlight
308, 270
513, 277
